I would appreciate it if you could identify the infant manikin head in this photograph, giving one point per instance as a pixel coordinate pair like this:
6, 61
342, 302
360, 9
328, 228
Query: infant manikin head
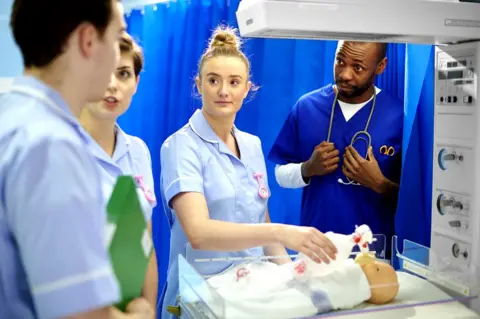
383, 282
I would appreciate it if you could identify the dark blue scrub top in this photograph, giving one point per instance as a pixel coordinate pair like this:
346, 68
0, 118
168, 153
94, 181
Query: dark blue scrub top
327, 204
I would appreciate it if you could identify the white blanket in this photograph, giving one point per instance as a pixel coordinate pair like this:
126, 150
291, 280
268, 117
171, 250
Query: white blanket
266, 290
259, 290
346, 286
413, 291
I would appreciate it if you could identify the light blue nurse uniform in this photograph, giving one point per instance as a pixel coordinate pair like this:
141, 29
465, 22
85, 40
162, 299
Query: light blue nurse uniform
130, 157
194, 159
53, 262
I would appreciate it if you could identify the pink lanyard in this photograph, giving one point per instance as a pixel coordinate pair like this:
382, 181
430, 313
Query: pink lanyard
262, 190
149, 195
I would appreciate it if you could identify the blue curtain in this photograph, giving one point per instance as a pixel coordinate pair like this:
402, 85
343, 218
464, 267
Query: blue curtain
413, 219
174, 35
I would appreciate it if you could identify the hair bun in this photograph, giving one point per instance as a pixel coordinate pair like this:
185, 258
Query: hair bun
225, 37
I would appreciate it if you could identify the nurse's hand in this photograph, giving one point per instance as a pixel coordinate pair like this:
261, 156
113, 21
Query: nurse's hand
140, 308
324, 160
310, 241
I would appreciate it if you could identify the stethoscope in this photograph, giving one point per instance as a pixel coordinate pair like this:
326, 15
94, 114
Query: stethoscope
368, 139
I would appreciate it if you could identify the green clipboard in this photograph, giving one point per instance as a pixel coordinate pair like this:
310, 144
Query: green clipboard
128, 239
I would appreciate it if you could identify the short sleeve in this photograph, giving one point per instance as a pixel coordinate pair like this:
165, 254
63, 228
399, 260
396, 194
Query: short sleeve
181, 166
286, 148
55, 210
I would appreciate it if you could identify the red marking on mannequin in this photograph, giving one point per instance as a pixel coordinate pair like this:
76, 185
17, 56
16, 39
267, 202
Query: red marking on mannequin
242, 272
357, 238
300, 268
364, 245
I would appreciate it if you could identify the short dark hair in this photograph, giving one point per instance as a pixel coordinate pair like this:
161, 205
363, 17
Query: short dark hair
41, 28
381, 50
129, 46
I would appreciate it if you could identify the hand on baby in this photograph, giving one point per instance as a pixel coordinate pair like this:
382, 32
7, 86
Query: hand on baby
309, 241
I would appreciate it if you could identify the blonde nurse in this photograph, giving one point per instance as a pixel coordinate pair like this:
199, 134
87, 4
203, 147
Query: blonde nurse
214, 179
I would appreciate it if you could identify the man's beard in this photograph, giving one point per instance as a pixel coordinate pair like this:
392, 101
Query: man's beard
354, 91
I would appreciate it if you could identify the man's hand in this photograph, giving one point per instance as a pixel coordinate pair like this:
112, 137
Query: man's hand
324, 160
366, 172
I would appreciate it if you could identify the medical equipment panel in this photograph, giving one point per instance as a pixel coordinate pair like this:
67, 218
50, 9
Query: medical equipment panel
452, 214
454, 126
452, 252
453, 167
455, 85
455, 240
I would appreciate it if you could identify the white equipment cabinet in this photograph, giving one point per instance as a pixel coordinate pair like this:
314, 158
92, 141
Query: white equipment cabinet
455, 238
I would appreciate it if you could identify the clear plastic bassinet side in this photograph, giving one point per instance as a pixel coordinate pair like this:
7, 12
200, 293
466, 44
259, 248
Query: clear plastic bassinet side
461, 283
197, 298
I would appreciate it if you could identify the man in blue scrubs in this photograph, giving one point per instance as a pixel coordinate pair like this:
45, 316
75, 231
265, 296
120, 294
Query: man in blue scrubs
344, 183
53, 261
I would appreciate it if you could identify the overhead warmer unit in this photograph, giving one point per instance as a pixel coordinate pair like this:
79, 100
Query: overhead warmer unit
401, 21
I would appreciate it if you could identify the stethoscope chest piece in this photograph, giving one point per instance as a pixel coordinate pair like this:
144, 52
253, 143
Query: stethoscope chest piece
367, 138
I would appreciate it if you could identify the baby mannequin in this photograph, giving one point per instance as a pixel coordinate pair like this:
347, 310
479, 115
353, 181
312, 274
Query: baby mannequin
304, 288
382, 278
383, 281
